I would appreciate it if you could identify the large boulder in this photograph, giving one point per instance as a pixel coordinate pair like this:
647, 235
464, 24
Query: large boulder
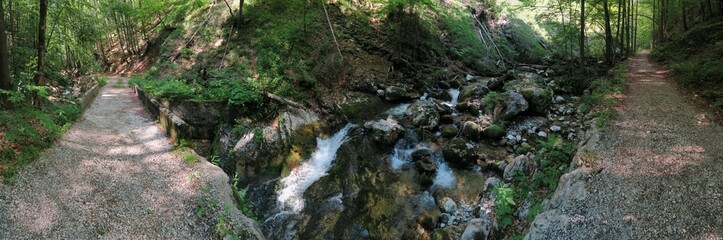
494, 132
471, 130
474, 90
514, 105
424, 113
459, 152
396, 94
539, 98
424, 161
449, 131
385, 132
520, 164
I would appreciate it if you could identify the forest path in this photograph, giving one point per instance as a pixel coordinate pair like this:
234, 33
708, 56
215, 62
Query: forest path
112, 175
662, 168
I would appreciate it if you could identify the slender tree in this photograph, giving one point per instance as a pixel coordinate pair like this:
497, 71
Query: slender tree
39, 76
4, 70
582, 33
608, 34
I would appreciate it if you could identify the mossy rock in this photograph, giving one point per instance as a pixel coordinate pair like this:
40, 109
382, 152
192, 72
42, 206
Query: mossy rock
449, 131
494, 131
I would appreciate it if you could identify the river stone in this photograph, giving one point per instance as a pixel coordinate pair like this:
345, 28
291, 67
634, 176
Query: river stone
514, 105
521, 163
477, 228
396, 94
386, 132
448, 205
471, 130
458, 152
424, 114
424, 161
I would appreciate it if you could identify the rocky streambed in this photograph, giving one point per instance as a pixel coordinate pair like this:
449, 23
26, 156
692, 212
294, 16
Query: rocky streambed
415, 164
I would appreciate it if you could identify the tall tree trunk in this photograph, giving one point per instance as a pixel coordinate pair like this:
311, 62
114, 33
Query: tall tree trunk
617, 30
4, 70
684, 16
608, 35
582, 33
635, 27
39, 76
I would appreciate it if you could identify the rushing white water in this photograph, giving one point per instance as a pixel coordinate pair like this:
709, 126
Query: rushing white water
455, 97
398, 110
402, 153
301, 178
444, 177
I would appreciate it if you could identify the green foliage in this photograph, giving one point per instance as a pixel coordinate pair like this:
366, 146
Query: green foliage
28, 130
189, 157
504, 204
240, 196
466, 43
526, 42
491, 100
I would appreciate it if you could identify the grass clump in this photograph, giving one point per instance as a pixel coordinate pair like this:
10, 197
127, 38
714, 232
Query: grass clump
466, 44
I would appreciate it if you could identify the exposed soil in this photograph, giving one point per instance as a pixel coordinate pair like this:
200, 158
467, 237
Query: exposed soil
661, 167
112, 175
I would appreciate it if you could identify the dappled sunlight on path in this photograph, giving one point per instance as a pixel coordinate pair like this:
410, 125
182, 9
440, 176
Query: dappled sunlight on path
113, 174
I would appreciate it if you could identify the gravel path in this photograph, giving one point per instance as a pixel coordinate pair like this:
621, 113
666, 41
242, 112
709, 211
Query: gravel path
111, 176
661, 170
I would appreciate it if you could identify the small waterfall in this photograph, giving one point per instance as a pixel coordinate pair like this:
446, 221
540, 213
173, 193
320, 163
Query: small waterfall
397, 111
402, 153
292, 194
455, 97
444, 177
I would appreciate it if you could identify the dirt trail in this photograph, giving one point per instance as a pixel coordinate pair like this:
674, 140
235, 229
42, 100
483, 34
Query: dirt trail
112, 175
662, 170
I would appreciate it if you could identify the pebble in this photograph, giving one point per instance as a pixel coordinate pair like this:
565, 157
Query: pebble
542, 134
555, 128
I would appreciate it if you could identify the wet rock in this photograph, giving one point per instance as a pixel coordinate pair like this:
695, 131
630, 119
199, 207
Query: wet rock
459, 152
423, 160
559, 99
474, 90
493, 83
520, 164
427, 220
424, 114
449, 131
386, 132
448, 205
514, 105
443, 219
396, 94
471, 130
494, 131
477, 228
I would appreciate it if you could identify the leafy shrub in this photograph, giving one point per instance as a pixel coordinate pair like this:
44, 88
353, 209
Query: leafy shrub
504, 204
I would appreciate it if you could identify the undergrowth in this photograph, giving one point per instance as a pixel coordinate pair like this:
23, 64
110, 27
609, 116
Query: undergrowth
26, 131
